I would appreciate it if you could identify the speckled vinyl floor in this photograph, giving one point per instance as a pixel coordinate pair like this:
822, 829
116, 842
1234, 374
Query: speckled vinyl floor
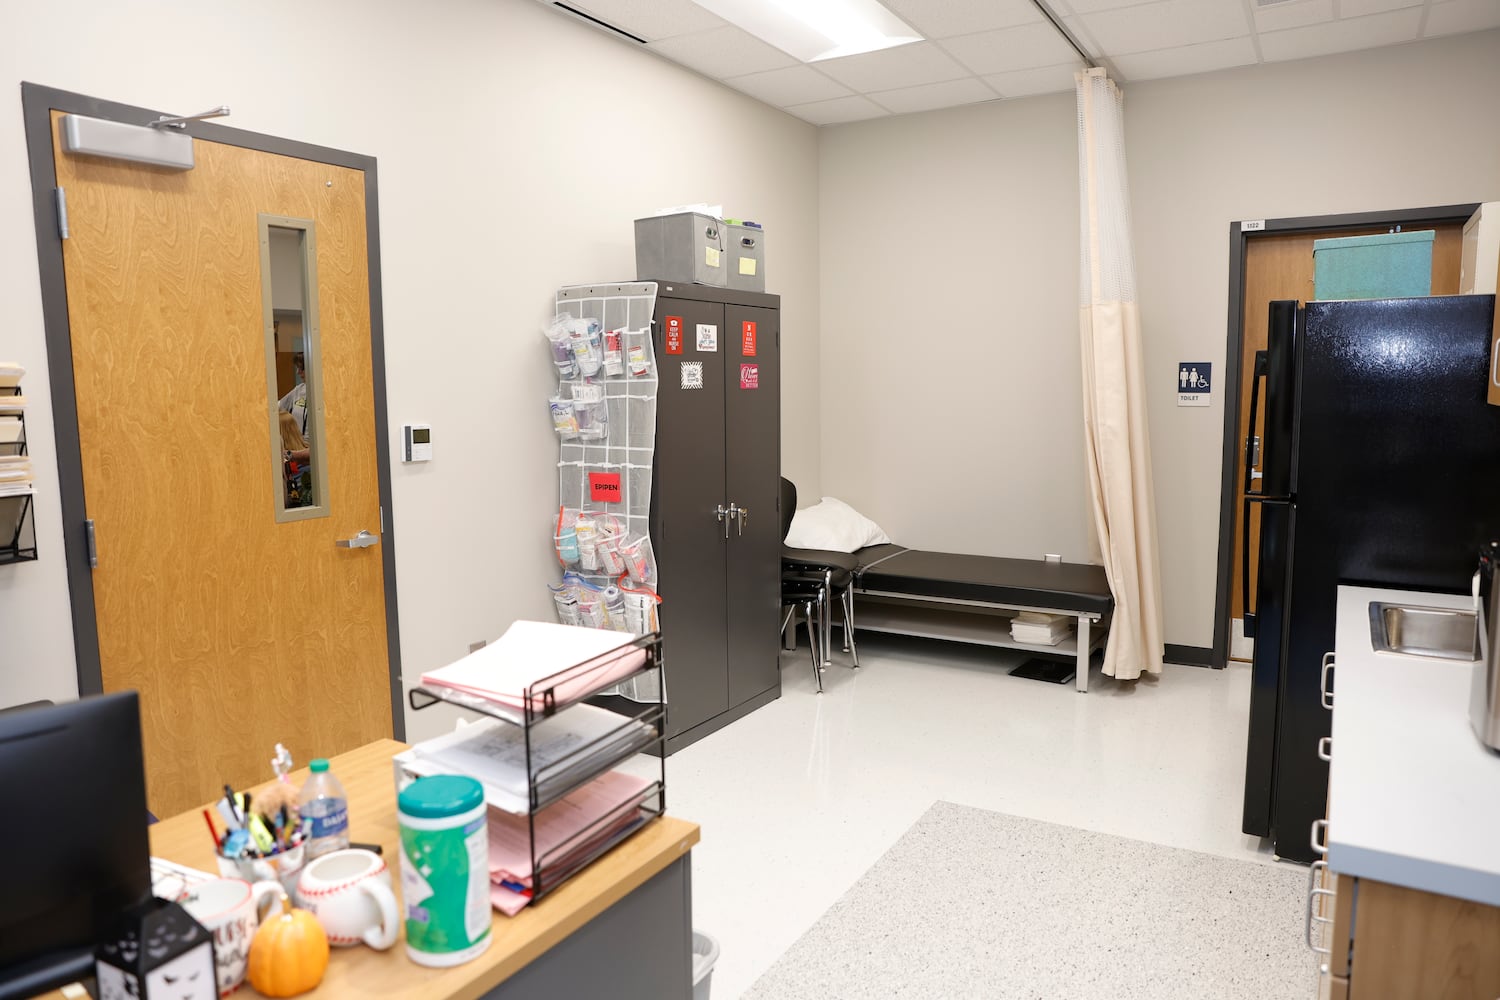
973, 903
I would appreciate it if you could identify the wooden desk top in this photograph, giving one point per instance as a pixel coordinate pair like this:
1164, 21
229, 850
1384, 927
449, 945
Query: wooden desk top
363, 972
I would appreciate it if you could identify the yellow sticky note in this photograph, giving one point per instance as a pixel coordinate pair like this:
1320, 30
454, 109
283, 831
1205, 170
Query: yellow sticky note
747, 265
711, 256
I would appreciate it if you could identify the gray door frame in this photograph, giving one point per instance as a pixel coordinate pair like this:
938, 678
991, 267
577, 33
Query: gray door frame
38, 103
1239, 237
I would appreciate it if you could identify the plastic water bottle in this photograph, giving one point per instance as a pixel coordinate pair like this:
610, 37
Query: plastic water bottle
325, 807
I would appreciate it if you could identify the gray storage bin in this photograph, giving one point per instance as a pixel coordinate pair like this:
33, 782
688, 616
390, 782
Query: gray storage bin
684, 247
745, 248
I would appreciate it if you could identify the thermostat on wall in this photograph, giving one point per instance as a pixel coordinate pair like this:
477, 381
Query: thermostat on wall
418, 439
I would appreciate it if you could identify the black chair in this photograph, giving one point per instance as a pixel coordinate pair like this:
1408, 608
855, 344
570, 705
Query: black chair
833, 571
805, 593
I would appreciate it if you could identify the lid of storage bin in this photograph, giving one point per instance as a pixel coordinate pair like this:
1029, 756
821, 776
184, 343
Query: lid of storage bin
440, 795
1379, 239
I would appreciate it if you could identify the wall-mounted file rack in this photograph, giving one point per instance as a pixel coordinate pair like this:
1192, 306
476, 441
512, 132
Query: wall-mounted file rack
550, 779
17, 523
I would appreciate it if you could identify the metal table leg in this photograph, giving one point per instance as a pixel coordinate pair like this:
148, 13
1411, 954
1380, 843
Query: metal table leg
1085, 642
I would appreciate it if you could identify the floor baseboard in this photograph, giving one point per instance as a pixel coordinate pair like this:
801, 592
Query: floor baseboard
1188, 656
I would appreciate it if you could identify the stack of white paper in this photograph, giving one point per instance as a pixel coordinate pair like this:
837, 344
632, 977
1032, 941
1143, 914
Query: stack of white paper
511, 669
10, 374
563, 747
1040, 629
15, 475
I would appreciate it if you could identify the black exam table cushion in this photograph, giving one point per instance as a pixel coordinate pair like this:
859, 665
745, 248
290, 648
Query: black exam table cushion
1076, 587
813, 558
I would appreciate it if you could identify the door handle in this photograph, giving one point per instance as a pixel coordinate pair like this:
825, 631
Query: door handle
741, 516
363, 540
723, 514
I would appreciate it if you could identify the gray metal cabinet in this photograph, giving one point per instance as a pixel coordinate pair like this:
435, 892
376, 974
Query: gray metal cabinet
715, 488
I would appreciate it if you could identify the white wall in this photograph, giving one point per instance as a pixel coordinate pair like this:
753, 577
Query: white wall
950, 258
515, 147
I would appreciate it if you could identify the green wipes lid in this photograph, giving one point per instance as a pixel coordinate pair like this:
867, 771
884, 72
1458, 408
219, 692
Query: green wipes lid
440, 795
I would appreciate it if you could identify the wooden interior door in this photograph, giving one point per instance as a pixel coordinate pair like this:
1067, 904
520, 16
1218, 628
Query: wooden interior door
1280, 266
238, 631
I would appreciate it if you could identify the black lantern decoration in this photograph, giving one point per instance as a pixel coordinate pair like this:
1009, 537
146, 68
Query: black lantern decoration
157, 952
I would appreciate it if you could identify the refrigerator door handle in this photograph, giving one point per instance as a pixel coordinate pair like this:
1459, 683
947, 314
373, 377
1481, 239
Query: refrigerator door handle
1252, 441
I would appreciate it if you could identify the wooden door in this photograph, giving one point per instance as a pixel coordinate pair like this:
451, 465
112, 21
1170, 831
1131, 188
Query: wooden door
1280, 266
238, 631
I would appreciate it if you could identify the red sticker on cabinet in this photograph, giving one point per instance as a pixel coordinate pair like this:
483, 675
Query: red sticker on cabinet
604, 487
747, 338
749, 376
674, 334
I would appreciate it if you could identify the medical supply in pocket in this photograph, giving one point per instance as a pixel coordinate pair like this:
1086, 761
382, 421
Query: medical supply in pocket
588, 549
563, 419
614, 352
588, 348
591, 411
567, 535
591, 612
638, 353
609, 553
566, 601
614, 604
560, 340
638, 559
640, 610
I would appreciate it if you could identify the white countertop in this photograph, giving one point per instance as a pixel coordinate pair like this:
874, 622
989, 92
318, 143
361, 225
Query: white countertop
1415, 796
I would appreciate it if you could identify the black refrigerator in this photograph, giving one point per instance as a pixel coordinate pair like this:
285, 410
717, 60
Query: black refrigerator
1379, 466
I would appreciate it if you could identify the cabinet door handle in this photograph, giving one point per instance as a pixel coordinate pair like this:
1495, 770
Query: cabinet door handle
1319, 836
744, 517
724, 515
1323, 688
1313, 892
1325, 749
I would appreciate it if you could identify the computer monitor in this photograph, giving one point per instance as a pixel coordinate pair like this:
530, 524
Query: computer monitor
73, 846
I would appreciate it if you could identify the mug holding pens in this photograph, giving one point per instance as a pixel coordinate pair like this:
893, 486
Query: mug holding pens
263, 839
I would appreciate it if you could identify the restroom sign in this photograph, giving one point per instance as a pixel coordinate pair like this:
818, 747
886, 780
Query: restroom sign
1194, 383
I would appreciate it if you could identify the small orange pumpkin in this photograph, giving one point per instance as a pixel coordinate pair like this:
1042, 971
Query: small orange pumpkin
289, 953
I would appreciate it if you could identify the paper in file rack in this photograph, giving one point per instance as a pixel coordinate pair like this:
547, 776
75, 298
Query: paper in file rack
563, 748
10, 374
568, 832
506, 674
10, 429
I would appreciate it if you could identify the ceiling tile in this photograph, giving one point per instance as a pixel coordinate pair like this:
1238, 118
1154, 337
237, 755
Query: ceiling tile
1166, 24
793, 85
652, 19
902, 66
723, 52
1026, 82
1092, 6
1294, 15
840, 109
1359, 8
1454, 16
1186, 59
931, 96
1341, 36
946, 18
1030, 46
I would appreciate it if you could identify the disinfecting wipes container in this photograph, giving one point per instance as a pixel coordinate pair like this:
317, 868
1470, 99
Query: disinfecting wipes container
445, 869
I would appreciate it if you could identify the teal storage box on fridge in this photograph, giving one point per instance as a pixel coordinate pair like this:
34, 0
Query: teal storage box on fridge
1384, 266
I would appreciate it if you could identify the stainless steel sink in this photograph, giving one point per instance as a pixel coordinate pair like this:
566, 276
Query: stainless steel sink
1414, 631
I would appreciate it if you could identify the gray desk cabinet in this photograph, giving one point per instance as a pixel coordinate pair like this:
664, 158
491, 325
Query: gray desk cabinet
715, 490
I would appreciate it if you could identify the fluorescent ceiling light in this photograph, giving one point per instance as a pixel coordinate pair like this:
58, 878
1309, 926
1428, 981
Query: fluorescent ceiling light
817, 29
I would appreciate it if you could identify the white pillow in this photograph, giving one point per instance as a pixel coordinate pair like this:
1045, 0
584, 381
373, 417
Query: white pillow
833, 526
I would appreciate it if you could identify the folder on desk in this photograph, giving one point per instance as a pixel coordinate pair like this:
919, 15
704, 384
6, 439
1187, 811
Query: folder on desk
530, 652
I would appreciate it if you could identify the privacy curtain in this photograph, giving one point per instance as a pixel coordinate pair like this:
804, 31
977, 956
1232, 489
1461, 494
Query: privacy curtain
1114, 387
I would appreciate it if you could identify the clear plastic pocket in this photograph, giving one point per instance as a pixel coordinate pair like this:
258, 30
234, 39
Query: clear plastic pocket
639, 560
614, 352
588, 346
638, 353
567, 536
564, 420
591, 412
588, 548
